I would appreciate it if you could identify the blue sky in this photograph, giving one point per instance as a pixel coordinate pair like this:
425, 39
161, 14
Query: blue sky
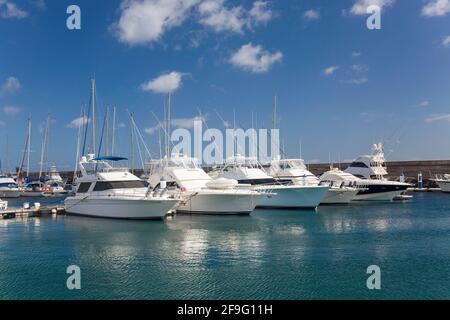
340, 86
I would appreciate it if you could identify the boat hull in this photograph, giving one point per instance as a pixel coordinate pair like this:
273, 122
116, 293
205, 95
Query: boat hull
444, 185
119, 208
293, 197
381, 192
219, 203
339, 196
9, 193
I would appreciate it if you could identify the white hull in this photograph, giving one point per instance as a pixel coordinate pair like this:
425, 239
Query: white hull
119, 208
339, 196
9, 193
444, 185
293, 197
215, 203
382, 196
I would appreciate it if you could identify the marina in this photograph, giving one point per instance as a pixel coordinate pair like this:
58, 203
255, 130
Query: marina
271, 254
237, 152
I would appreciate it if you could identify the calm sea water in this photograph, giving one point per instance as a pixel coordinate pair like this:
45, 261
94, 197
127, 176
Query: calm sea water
268, 255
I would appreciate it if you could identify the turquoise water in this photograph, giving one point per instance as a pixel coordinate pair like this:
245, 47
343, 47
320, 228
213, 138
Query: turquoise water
268, 255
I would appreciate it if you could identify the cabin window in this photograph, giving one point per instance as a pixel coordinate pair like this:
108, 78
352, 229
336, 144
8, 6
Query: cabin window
8, 185
104, 185
358, 165
84, 187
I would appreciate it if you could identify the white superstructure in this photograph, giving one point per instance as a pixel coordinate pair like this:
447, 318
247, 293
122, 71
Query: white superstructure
104, 191
201, 193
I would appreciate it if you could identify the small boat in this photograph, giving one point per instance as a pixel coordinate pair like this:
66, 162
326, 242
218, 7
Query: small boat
8, 187
403, 197
35, 189
3, 205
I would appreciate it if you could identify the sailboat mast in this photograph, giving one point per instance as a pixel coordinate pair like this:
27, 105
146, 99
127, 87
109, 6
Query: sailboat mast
93, 113
28, 147
80, 131
113, 138
168, 125
274, 118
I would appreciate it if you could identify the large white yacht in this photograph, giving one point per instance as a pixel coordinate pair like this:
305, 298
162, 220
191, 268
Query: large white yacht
110, 192
368, 173
202, 194
443, 182
8, 187
295, 172
248, 172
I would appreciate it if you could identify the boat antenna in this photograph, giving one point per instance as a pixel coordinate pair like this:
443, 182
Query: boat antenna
80, 130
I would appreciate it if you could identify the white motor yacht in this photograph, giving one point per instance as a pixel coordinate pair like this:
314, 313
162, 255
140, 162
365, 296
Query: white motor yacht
443, 182
8, 187
368, 173
248, 172
55, 182
110, 192
294, 171
201, 193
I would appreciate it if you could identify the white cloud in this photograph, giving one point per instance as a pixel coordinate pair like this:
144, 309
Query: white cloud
260, 13
214, 14
360, 6
186, 123
424, 103
78, 122
165, 83
9, 10
356, 54
11, 85
255, 58
311, 14
40, 4
330, 70
446, 41
361, 80
145, 21
121, 125
436, 8
11, 111
359, 68
438, 117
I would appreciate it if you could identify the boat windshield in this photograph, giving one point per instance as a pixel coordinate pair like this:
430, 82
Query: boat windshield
291, 164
